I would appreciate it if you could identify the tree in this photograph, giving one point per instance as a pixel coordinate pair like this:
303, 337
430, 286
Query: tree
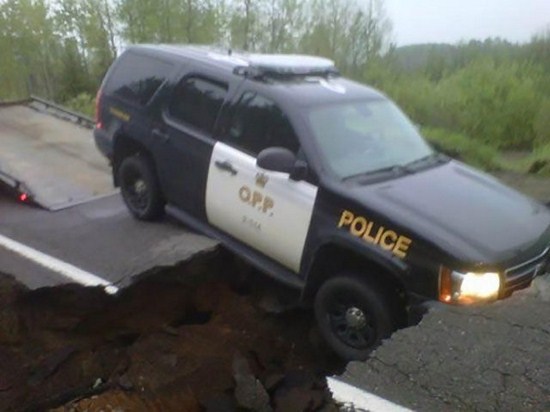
31, 47
284, 19
352, 33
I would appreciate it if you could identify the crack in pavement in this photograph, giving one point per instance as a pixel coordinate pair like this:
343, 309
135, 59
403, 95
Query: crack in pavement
486, 358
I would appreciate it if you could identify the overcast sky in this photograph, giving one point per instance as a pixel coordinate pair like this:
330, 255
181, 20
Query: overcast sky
449, 21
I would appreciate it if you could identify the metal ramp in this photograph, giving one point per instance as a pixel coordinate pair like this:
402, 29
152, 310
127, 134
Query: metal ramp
47, 154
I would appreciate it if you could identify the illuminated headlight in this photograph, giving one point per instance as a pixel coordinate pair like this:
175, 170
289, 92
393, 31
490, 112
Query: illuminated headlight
457, 287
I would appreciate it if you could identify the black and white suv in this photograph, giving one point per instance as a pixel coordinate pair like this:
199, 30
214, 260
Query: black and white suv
321, 182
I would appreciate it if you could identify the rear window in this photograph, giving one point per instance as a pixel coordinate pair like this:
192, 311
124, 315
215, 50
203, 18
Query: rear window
136, 77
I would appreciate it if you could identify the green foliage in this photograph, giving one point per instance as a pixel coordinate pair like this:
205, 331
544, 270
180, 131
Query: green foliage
463, 148
493, 91
55, 49
61, 48
538, 51
170, 21
83, 103
538, 162
495, 103
502, 105
29, 48
541, 124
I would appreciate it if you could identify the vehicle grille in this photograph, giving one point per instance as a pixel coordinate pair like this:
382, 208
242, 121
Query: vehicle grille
520, 276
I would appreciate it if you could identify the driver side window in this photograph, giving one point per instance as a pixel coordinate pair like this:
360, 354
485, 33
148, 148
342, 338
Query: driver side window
258, 123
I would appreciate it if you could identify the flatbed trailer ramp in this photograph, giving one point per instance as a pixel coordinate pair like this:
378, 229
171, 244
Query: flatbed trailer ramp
47, 153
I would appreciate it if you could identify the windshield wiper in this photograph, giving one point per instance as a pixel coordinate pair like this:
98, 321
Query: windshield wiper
407, 168
435, 156
396, 169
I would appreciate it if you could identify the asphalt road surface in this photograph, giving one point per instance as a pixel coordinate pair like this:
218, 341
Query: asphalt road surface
486, 358
98, 237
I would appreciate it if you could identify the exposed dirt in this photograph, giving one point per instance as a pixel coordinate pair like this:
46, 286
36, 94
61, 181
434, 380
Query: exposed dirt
186, 339
538, 187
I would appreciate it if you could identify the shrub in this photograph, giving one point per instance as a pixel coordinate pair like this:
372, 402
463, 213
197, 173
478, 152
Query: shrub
498, 104
538, 162
83, 103
542, 123
495, 103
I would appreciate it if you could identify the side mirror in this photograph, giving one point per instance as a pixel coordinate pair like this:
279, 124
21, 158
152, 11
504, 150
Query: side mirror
300, 171
280, 159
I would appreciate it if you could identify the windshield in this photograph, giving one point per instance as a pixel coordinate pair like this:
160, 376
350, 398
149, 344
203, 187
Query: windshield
365, 137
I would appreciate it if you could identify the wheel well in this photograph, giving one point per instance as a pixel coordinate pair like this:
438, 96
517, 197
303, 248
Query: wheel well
124, 147
333, 259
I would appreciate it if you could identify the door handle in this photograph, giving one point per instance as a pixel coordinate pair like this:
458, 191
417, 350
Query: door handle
226, 166
161, 135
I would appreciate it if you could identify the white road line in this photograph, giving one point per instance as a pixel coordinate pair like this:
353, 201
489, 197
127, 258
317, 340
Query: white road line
58, 266
360, 399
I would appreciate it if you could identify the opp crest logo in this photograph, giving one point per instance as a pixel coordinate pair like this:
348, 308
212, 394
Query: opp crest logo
261, 180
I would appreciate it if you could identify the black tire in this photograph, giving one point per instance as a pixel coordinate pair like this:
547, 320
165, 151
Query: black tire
353, 316
140, 188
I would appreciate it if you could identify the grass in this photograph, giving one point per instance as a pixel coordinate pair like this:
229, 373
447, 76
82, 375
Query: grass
464, 148
539, 161
488, 158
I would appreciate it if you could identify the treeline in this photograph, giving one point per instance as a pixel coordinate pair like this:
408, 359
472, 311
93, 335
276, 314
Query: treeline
54, 49
61, 48
491, 93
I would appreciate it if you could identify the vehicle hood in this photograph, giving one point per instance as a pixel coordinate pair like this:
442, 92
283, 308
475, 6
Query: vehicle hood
468, 214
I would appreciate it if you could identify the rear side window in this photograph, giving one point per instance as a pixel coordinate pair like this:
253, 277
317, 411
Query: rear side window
136, 78
197, 102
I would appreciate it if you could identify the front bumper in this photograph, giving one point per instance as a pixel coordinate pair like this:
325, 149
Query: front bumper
520, 276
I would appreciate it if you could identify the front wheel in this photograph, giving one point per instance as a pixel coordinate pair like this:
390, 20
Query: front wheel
140, 189
353, 316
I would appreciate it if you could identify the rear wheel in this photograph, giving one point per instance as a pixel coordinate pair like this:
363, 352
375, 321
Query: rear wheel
140, 189
353, 316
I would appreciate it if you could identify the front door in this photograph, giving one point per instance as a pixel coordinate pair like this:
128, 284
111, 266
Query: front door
266, 210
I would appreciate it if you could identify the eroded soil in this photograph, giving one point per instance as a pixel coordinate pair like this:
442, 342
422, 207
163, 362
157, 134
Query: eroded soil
191, 338
538, 187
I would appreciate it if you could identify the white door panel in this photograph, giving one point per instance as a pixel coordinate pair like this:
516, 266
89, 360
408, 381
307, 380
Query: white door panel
263, 209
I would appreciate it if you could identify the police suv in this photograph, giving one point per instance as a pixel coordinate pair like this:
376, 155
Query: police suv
321, 182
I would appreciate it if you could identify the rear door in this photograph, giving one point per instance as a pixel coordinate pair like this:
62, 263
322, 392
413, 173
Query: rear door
266, 210
183, 140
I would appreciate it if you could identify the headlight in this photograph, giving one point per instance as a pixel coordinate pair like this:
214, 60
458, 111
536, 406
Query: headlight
457, 287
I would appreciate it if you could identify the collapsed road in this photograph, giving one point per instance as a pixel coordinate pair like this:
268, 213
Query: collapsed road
190, 338
186, 331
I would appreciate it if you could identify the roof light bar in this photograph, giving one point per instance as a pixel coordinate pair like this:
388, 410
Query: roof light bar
286, 65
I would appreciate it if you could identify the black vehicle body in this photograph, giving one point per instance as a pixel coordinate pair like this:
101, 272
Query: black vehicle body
400, 226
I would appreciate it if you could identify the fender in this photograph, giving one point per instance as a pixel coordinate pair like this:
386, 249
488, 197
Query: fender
123, 145
397, 268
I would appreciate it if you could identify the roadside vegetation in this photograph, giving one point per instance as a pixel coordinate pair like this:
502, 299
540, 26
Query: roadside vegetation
478, 101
